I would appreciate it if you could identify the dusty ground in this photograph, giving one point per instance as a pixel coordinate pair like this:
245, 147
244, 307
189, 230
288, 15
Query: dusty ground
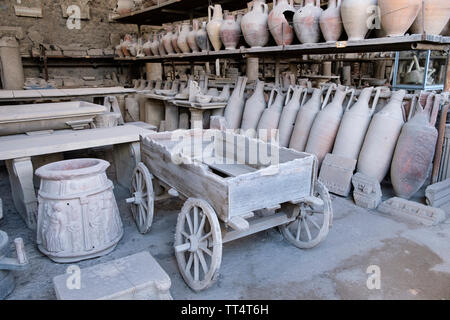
414, 261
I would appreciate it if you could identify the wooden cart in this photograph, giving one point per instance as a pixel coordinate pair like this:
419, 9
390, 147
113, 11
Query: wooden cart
230, 193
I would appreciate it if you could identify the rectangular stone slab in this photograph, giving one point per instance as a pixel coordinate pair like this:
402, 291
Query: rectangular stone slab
136, 277
336, 174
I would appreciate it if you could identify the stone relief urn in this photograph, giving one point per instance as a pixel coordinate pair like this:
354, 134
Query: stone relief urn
213, 26
306, 22
191, 36
182, 38
201, 37
356, 17
230, 32
331, 22
78, 217
279, 27
254, 24
397, 16
436, 14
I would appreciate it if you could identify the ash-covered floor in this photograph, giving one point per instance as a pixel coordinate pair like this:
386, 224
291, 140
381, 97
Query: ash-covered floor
414, 261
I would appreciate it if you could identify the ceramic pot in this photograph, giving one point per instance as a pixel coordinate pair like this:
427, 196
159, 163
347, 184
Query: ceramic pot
235, 106
213, 26
126, 45
182, 38
78, 217
331, 22
288, 115
379, 144
118, 50
223, 96
174, 39
147, 47
254, 24
124, 6
268, 124
306, 22
167, 41
254, 107
191, 37
354, 125
162, 50
201, 38
279, 27
413, 156
356, 16
304, 121
326, 125
436, 14
230, 32
397, 16
154, 46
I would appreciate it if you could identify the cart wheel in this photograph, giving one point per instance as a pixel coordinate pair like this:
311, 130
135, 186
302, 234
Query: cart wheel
142, 202
198, 244
312, 223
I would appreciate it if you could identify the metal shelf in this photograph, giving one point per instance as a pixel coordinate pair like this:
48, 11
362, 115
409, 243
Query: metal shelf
407, 42
176, 10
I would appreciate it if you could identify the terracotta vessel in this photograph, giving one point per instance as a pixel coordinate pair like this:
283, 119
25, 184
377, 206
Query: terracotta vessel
356, 17
397, 16
167, 41
331, 22
126, 45
230, 32
147, 47
254, 24
413, 156
279, 27
254, 107
268, 124
436, 15
289, 114
223, 96
155, 44
201, 38
118, 50
191, 37
78, 216
379, 144
306, 22
213, 26
235, 106
182, 38
124, 6
162, 50
174, 39
354, 125
304, 121
326, 125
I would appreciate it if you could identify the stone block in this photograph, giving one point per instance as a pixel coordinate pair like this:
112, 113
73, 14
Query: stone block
7, 31
95, 52
136, 277
336, 174
108, 52
438, 194
366, 191
412, 211
74, 53
22, 11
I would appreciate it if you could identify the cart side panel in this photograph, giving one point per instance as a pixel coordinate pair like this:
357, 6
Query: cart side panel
190, 180
255, 191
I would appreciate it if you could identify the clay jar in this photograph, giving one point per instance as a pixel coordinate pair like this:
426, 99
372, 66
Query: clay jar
304, 121
78, 216
306, 22
154, 46
174, 39
162, 50
213, 26
191, 36
201, 38
147, 47
379, 144
326, 125
235, 106
167, 41
436, 14
254, 107
182, 38
289, 114
254, 24
279, 27
356, 15
397, 16
230, 32
271, 116
331, 22
126, 45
